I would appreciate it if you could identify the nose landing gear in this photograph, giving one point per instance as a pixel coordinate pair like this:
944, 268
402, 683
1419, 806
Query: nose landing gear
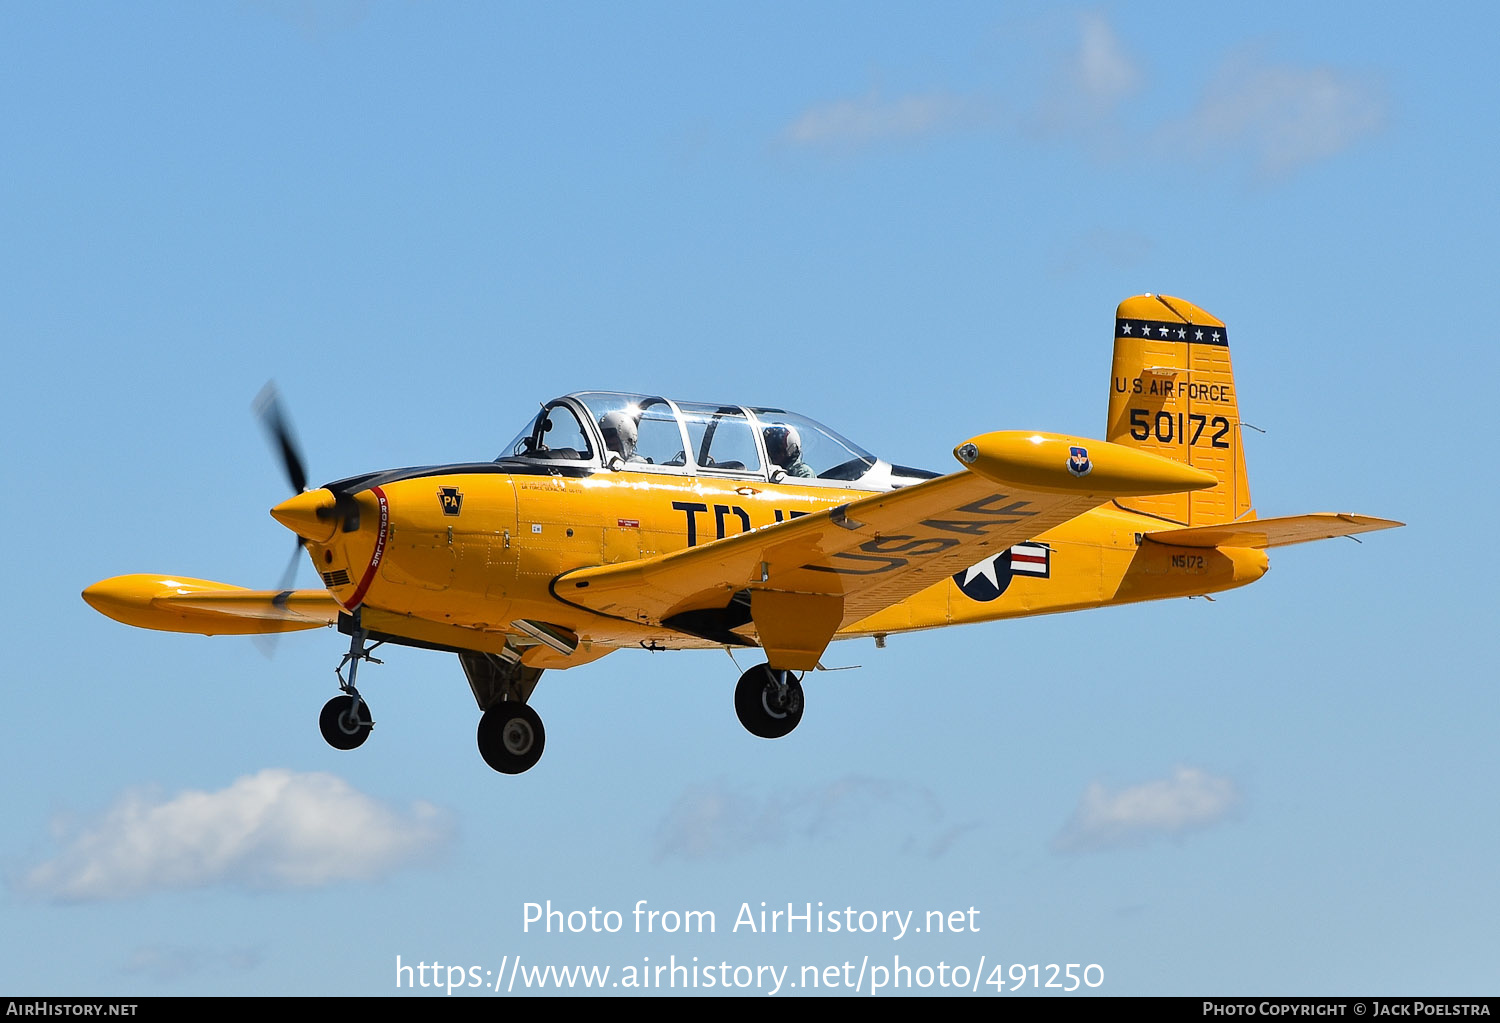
345, 721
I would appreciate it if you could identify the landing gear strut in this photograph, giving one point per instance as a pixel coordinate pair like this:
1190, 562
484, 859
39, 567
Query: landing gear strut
345, 721
768, 701
511, 737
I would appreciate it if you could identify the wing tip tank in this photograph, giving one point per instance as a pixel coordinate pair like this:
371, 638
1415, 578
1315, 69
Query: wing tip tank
167, 604
1062, 464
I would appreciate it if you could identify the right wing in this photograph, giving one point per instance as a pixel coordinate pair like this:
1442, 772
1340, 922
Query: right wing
809, 576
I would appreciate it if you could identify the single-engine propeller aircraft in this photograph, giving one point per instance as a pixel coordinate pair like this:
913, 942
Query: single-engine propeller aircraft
616, 521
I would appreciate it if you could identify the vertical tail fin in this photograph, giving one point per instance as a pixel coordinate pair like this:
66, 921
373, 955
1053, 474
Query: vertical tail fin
1172, 393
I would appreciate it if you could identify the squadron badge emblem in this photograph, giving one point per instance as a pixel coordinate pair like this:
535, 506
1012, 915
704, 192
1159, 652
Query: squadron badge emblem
1078, 462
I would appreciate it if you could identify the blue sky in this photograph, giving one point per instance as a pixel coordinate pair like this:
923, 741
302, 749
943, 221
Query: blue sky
912, 223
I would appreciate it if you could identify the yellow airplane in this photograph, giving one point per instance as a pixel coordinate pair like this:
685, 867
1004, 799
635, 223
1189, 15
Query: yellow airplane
618, 521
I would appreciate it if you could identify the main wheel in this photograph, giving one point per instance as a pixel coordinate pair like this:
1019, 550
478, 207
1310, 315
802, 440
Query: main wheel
764, 708
511, 737
345, 722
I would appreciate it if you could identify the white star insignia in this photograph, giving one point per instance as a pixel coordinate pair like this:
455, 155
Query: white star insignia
985, 568
1198, 335
1181, 333
1125, 329
1216, 337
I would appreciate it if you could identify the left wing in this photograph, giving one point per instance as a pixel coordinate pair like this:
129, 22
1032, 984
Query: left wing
807, 577
180, 604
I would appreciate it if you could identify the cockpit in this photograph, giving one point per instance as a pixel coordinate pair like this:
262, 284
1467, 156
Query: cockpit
611, 431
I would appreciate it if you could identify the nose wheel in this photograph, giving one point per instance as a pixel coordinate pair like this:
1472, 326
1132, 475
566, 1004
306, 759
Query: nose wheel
511, 737
345, 722
768, 701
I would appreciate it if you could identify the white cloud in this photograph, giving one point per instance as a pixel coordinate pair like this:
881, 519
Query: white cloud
272, 830
1283, 118
873, 119
1088, 87
1189, 800
1102, 69
716, 822
1273, 118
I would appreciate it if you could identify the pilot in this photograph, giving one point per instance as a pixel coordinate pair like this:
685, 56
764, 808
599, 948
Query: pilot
620, 431
784, 448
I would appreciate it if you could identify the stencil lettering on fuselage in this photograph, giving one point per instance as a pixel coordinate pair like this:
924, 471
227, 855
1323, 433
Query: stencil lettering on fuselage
722, 515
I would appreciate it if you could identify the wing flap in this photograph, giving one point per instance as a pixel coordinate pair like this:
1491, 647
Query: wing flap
180, 604
1277, 532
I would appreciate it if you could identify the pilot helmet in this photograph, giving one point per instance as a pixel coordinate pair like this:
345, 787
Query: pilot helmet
783, 444
620, 432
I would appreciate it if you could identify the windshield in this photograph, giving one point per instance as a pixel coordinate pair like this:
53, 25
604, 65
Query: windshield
555, 434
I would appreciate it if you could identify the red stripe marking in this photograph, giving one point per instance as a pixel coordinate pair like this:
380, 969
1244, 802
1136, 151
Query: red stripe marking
369, 576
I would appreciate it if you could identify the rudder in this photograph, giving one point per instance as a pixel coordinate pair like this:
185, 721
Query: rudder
1172, 393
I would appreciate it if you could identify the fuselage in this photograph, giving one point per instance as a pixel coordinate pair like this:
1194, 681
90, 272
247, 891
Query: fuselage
452, 557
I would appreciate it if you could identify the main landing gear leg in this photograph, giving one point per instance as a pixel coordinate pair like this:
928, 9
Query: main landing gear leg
768, 701
345, 721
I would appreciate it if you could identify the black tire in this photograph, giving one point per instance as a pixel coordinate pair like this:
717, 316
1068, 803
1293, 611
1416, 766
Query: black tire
761, 708
511, 737
343, 725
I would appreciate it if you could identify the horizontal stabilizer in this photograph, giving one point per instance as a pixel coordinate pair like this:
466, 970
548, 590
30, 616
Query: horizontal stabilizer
180, 604
1278, 532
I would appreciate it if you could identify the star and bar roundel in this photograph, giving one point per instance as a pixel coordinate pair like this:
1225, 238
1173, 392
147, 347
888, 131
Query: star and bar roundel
992, 576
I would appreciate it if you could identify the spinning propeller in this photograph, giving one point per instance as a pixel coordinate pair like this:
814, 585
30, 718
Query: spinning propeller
268, 410
271, 415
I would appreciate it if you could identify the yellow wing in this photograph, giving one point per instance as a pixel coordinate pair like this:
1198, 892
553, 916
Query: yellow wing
801, 580
179, 604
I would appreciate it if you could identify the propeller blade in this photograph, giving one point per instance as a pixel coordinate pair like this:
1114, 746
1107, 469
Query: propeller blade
289, 577
269, 411
266, 642
278, 428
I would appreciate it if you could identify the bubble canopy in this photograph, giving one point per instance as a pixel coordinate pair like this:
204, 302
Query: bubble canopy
614, 431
